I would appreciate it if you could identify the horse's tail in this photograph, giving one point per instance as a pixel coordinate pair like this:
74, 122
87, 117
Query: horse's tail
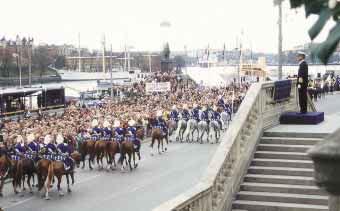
19, 172
50, 174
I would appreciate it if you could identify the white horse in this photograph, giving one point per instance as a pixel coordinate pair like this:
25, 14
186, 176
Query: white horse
214, 126
203, 128
226, 118
182, 124
192, 126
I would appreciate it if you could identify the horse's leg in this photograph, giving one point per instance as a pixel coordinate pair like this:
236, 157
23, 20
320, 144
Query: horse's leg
130, 156
134, 159
151, 145
48, 182
2, 182
72, 177
68, 183
91, 157
159, 145
166, 143
29, 176
83, 155
58, 185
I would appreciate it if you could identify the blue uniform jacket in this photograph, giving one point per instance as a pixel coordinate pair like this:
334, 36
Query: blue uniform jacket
20, 149
185, 115
195, 113
132, 131
119, 134
34, 147
216, 116
51, 148
205, 116
174, 115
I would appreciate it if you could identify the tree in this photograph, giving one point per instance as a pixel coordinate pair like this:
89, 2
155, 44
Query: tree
60, 62
41, 60
326, 10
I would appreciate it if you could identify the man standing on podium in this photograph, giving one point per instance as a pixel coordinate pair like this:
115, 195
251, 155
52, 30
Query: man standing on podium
302, 81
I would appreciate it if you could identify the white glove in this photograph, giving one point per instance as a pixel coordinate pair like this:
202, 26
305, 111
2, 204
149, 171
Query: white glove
299, 86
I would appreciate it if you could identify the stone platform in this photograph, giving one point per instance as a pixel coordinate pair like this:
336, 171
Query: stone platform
310, 118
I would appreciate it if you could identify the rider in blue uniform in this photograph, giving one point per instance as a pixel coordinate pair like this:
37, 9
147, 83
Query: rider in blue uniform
185, 113
19, 148
96, 131
160, 123
33, 148
107, 132
174, 115
216, 116
51, 149
195, 113
132, 130
119, 132
65, 151
205, 114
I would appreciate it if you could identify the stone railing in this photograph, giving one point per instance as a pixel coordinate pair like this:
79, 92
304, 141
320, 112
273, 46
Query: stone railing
220, 183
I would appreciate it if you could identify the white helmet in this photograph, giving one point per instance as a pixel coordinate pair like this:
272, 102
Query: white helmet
195, 105
30, 138
220, 97
106, 123
159, 113
20, 139
174, 107
132, 123
116, 124
47, 139
94, 123
185, 106
60, 139
204, 108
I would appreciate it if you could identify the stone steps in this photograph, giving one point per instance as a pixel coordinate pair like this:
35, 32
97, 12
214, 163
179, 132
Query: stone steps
294, 134
290, 140
275, 206
304, 172
283, 147
281, 155
281, 176
279, 179
282, 163
281, 188
283, 197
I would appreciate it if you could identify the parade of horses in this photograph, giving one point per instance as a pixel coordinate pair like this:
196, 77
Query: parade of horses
40, 151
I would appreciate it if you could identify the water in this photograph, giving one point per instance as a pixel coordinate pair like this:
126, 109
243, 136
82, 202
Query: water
214, 76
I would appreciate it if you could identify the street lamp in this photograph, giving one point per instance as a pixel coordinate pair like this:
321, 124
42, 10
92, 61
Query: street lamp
326, 158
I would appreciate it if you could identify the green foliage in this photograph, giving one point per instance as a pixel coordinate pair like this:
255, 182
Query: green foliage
320, 7
166, 51
60, 62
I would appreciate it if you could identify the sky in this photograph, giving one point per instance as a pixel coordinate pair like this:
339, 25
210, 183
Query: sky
194, 23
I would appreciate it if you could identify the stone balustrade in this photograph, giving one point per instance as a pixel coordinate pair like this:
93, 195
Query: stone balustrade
218, 186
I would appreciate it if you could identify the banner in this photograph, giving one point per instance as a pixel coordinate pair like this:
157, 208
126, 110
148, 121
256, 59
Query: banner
157, 87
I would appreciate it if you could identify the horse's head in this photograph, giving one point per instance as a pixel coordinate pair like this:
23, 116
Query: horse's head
76, 156
140, 133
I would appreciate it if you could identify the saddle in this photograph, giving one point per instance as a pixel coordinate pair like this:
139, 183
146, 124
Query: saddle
94, 137
15, 157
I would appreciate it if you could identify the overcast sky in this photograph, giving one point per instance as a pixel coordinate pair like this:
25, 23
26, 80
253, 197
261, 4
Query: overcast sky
194, 23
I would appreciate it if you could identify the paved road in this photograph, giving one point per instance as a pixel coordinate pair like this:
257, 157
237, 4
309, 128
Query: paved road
329, 105
156, 180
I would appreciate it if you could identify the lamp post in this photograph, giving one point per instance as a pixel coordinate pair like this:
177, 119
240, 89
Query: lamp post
326, 158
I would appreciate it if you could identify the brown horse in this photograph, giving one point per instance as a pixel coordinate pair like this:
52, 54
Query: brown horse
127, 149
28, 169
87, 148
158, 135
100, 149
112, 148
57, 169
6, 171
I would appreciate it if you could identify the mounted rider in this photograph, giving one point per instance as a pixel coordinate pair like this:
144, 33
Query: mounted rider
174, 115
51, 149
132, 130
33, 148
107, 132
64, 151
160, 123
119, 132
216, 116
221, 103
96, 131
195, 113
205, 114
19, 148
185, 113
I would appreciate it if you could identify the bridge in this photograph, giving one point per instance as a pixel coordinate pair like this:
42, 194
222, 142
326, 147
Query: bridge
193, 176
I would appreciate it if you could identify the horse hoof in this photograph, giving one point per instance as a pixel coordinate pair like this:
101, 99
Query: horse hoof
21, 194
166, 149
136, 165
69, 191
61, 194
47, 198
151, 154
31, 192
1, 195
24, 189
